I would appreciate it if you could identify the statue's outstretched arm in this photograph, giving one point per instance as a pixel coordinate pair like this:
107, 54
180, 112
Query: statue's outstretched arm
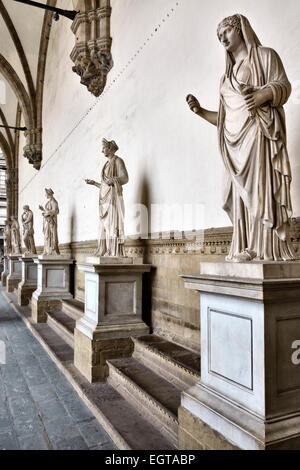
209, 116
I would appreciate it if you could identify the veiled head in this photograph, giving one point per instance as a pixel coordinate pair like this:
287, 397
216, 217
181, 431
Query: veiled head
26, 208
230, 32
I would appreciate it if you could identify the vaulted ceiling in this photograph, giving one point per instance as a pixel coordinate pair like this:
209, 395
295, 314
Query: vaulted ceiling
24, 34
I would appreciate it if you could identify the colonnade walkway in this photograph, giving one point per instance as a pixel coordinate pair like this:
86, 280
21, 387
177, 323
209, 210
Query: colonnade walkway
39, 409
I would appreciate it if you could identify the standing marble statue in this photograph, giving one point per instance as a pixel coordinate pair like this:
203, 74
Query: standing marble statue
252, 139
28, 232
50, 213
7, 237
111, 204
15, 236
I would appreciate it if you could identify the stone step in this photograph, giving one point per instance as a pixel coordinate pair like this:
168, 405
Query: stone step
176, 364
155, 398
74, 308
62, 324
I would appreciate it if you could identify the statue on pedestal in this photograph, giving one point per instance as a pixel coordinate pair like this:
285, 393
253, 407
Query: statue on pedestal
15, 236
7, 238
28, 232
111, 204
252, 138
50, 213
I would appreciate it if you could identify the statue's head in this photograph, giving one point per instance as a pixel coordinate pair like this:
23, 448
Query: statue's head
26, 208
230, 32
109, 148
49, 192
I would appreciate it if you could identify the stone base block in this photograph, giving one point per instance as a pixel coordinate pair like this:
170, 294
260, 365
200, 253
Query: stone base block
108, 342
3, 278
24, 295
12, 284
194, 434
40, 307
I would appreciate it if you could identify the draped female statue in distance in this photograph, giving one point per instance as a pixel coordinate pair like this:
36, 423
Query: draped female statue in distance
50, 213
252, 138
28, 231
7, 237
111, 204
15, 236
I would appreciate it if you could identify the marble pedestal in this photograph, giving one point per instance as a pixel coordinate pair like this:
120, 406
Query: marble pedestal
15, 272
113, 314
28, 283
53, 285
249, 392
5, 271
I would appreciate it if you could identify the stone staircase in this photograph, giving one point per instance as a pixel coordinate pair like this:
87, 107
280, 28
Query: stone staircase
63, 321
142, 391
152, 381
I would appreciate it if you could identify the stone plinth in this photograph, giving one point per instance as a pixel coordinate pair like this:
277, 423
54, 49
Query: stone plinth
113, 314
28, 283
5, 271
53, 285
249, 392
15, 272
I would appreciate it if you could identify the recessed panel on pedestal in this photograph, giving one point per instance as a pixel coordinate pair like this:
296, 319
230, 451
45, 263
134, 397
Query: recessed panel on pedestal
55, 278
230, 347
16, 267
120, 298
31, 272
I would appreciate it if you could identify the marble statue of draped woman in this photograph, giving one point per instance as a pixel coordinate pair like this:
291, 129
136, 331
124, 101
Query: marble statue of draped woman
252, 138
50, 213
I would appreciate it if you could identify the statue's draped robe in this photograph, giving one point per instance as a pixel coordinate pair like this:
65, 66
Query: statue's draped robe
111, 209
15, 238
7, 240
28, 232
257, 194
50, 228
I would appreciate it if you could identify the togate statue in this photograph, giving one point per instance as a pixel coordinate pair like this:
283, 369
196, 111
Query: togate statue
111, 204
50, 213
15, 236
28, 232
7, 238
252, 139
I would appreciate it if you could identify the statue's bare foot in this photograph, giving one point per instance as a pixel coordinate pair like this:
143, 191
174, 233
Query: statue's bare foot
245, 257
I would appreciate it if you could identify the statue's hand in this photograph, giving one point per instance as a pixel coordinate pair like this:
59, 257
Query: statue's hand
254, 99
92, 182
193, 103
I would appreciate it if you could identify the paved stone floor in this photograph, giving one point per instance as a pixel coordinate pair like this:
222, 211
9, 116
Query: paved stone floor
39, 409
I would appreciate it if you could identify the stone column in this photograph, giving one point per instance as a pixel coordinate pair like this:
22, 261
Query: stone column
113, 314
53, 285
15, 272
5, 271
28, 283
249, 393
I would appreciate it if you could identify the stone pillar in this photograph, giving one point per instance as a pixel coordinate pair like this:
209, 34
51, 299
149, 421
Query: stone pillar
113, 314
12, 181
15, 272
5, 271
53, 285
28, 283
249, 393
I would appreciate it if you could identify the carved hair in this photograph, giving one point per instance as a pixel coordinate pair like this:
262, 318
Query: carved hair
49, 191
26, 208
111, 145
233, 21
